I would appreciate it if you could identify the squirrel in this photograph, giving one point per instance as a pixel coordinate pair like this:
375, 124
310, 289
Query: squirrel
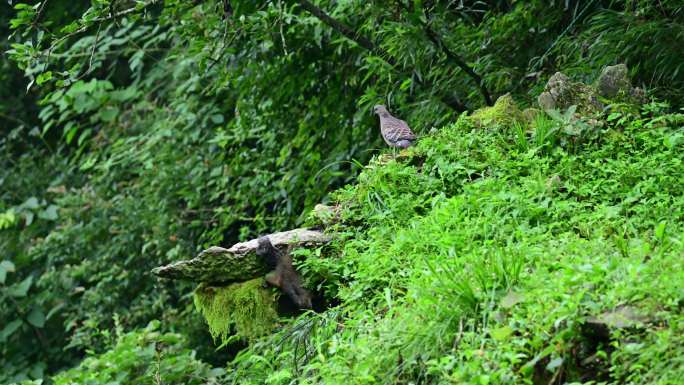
283, 274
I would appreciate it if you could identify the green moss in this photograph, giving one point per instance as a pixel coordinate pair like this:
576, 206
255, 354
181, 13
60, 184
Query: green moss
503, 113
585, 98
247, 306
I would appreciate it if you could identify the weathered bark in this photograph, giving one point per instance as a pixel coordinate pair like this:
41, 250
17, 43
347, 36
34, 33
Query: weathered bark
238, 263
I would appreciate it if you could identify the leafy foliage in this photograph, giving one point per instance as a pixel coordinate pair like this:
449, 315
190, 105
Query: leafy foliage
149, 130
142, 357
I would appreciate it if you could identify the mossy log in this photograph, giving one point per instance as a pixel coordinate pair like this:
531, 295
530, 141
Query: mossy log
239, 263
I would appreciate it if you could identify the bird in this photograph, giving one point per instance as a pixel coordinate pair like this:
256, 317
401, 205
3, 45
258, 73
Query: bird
395, 132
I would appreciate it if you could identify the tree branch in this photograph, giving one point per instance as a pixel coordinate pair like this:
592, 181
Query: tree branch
127, 11
453, 102
339, 26
450, 55
85, 27
39, 14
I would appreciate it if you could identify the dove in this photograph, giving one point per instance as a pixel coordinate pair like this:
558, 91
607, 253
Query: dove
395, 131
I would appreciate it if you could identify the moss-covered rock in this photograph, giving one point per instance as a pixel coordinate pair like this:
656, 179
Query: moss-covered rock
613, 80
614, 84
247, 306
503, 113
324, 215
560, 93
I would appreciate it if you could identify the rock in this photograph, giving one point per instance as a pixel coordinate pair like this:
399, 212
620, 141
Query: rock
511, 299
546, 101
504, 112
554, 184
638, 95
326, 215
238, 263
560, 93
621, 318
614, 80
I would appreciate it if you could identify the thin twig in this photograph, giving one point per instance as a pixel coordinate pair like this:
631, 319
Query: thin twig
39, 14
13, 119
127, 11
92, 53
280, 19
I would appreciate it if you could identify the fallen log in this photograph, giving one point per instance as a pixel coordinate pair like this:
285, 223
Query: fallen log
239, 263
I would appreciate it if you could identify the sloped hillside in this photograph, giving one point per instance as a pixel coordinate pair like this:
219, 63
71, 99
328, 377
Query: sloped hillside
540, 252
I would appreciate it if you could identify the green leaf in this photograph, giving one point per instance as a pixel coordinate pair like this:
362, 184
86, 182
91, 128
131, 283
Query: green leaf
54, 310
8, 266
38, 371
31, 203
217, 118
84, 135
21, 289
44, 77
502, 333
50, 213
28, 215
555, 115
7, 219
671, 141
88, 164
36, 318
660, 230
511, 299
554, 364
70, 134
109, 114
10, 329
5, 267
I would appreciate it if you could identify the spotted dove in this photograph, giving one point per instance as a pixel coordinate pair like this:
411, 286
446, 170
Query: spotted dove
395, 131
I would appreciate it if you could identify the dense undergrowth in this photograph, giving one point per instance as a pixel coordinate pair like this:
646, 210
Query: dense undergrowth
480, 258
521, 252
136, 133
